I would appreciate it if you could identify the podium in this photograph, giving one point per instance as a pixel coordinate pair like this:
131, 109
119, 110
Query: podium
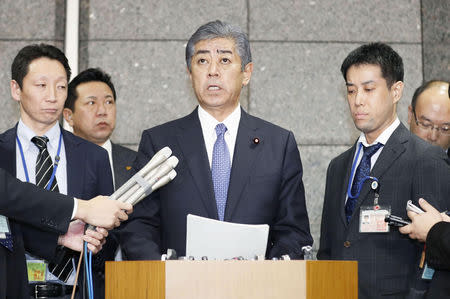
231, 279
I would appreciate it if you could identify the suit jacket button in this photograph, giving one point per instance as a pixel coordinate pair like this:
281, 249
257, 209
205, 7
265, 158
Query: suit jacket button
347, 244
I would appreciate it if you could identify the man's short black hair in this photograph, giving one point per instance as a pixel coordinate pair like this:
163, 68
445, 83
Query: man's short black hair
19, 67
89, 75
422, 88
380, 54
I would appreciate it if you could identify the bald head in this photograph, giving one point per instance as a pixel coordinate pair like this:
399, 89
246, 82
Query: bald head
429, 109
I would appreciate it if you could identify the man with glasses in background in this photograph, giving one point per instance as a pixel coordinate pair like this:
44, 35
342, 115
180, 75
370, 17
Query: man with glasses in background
429, 113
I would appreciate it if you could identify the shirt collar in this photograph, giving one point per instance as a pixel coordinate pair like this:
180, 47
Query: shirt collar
208, 122
25, 135
384, 136
107, 145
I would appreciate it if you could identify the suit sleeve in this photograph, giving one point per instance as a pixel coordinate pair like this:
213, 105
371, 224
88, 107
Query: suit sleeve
438, 246
290, 231
29, 204
431, 180
140, 235
324, 252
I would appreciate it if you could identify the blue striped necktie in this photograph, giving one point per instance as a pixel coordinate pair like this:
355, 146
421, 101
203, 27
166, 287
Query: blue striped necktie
361, 173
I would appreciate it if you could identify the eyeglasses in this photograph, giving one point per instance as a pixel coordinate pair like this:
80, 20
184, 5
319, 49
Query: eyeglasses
429, 126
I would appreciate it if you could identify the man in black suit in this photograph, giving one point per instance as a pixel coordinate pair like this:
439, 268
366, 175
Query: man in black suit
433, 228
429, 113
90, 109
385, 168
38, 150
233, 166
24, 203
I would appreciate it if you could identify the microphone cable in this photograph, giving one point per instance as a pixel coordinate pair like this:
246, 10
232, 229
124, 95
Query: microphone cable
88, 271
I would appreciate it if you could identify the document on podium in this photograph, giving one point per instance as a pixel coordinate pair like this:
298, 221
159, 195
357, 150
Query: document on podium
221, 240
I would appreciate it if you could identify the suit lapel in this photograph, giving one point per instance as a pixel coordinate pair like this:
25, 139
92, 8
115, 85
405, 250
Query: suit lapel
8, 156
192, 145
392, 150
117, 165
245, 153
348, 161
74, 159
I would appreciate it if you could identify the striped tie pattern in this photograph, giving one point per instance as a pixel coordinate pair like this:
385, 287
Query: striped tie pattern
362, 172
44, 164
220, 170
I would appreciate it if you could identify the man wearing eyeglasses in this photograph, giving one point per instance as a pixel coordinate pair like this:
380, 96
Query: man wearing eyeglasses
429, 113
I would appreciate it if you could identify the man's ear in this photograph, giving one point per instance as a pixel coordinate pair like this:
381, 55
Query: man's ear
397, 91
67, 113
189, 73
410, 115
15, 90
248, 69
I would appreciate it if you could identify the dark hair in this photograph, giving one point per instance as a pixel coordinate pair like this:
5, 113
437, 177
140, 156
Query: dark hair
219, 29
89, 75
380, 54
421, 89
19, 67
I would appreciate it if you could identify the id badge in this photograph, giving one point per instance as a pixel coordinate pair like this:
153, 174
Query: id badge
4, 227
427, 272
371, 220
37, 270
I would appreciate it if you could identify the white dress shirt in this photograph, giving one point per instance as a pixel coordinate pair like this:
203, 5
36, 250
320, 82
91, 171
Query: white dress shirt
108, 147
31, 151
383, 138
209, 123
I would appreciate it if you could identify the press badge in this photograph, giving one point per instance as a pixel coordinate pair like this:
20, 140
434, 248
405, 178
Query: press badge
371, 219
37, 270
4, 227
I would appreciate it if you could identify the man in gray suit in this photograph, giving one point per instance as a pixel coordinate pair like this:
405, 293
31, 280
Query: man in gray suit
385, 168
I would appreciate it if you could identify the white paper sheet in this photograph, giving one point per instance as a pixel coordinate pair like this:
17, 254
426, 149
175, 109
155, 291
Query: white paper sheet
224, 240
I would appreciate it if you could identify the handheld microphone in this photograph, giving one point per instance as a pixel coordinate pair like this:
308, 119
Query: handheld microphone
160, 172
161, 156
163, 181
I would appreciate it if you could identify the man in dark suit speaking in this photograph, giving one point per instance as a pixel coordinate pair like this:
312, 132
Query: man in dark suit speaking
385, 168
233, 166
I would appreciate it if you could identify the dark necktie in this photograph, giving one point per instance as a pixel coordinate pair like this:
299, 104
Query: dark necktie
361, 174
220, 169
7, 242
44, 169
44, 164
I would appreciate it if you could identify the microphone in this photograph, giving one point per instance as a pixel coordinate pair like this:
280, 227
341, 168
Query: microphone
153, 178
161, 156
163, 181
158, 172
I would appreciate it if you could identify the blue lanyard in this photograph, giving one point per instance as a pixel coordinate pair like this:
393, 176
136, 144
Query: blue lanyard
55, 165
349, 188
